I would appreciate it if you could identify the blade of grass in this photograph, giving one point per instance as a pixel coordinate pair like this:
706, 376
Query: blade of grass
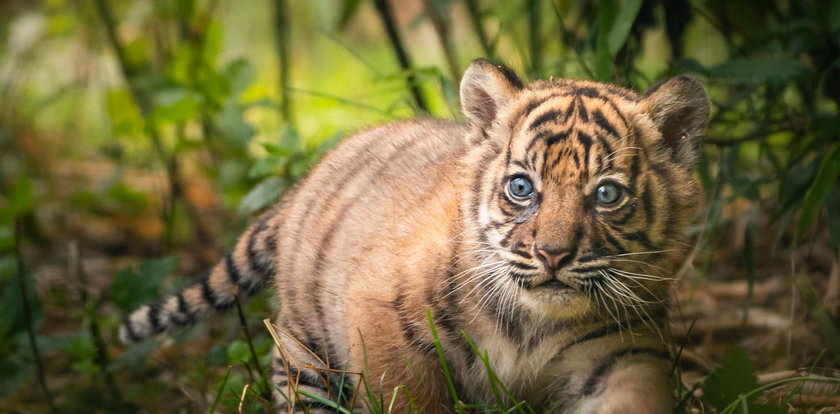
27, 316
442, 358
281, 37
244, 325
220, 390
442, 31
825, 179
328, 403
478, 28
824, 321
387, 18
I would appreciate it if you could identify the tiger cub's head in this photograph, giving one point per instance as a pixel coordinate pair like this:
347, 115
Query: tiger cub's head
579, 190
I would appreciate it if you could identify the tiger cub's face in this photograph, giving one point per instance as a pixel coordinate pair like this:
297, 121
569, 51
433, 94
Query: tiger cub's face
581, 189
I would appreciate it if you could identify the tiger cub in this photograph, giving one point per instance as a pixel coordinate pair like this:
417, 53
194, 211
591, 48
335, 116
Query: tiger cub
543, 229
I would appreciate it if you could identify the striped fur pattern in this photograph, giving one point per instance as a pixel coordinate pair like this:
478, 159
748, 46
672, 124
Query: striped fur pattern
544, 228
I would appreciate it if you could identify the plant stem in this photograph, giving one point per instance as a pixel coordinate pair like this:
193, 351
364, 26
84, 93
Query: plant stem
244, 324
281, 35
75, 265
27, 317
442, 31
385, 14
534, 41
170, 163
478, 28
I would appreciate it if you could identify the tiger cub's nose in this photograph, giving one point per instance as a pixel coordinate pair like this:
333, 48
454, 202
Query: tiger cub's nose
553, 257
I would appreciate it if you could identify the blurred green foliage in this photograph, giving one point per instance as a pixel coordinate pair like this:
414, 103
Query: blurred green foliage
247, 95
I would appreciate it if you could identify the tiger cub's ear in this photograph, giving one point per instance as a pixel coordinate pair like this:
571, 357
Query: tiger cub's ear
485, 88
679, 107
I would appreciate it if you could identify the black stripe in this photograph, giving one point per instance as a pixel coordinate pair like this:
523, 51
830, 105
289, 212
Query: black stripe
548, 116
605, 125
629, 210
185, 315
129, 328
615, 243
515, 250
154, 312
453, 302
409, 329
635, 169
587, 269
262, 268
232, 270
606, 156
210, 296
506, 239
523, 266
647, 202
640, 236
605, 368
587, 91
558, 137
583, 114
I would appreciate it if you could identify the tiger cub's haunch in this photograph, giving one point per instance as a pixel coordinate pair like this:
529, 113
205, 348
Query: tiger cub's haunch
542, 229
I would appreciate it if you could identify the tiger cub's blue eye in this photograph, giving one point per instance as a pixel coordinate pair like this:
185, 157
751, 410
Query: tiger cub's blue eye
520, 188
608, 194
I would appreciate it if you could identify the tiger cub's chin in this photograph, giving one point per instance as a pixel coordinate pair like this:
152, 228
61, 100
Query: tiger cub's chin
557, 296
553, 303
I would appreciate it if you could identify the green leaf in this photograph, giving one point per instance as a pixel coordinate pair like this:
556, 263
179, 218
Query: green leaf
238, 352
240, 73
289, 139
266, 166
11, 308
627, 12
262, 195
734, 378
348, 10
7, 238
18, 200
233, 126
134, 356
615, 19
133, 288
16, 365
754, 71
607, 12
827, 326
826, 176
175, 105
834, 16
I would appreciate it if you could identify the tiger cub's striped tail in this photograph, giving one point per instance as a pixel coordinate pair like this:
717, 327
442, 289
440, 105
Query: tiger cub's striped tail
243, 271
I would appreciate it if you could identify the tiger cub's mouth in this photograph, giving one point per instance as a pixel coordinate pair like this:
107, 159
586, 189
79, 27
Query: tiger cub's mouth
582, 279
554, 284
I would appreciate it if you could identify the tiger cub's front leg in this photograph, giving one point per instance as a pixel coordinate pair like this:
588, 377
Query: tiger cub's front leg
631, 375
639, 383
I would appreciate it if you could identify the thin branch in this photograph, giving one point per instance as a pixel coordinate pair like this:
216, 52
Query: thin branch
266, 388
442, 31
75, 266
281, 36
142, 101
27, 318
478, 28
534, 41
387, 17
